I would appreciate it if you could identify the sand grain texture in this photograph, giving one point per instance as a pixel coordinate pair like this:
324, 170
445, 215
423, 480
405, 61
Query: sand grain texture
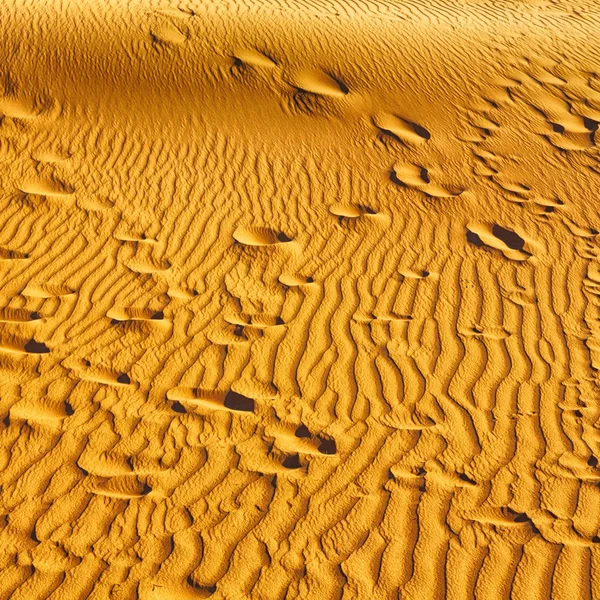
300, 299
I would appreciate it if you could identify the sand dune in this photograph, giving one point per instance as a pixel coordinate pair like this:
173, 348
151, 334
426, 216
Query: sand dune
299, 299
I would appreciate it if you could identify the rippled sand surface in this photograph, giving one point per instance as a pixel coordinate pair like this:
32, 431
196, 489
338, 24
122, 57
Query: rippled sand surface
299, 299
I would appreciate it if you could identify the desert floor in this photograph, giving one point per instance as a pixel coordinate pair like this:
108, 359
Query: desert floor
299, 299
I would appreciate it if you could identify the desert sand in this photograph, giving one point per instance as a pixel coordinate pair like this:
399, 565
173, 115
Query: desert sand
299, 299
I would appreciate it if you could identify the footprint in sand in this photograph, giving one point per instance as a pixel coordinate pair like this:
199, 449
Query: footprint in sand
318, 82
169, 33
46, 290
47, 187
6, 254
300, 440
248, 56
41, 410
405, 131
24, 107
418, 178
148, 265
16, 346
294, 280
260, 236
18, 315
509, 242
125, 487
212, 400
119, 315
351, 211
84, 370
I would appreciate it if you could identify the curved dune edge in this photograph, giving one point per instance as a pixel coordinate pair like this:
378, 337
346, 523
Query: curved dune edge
299, 299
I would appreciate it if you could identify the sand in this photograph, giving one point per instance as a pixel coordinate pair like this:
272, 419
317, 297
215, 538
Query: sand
299, 299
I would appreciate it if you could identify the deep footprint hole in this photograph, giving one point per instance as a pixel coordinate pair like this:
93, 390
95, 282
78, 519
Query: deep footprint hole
178, 408
302, 432
34, 347
282, 237
123, 378
235, 401
327, 447
512, 239
292, 462
474, 239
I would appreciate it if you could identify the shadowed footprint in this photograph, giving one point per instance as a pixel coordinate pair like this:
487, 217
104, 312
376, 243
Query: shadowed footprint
34, 347
14, 345
46, 290
254, 58
6, 254
303, 432
401, 129
292, 462
235, 401
23, 107
122, 486
212, 400
84, 370
350, 211
318, 82
47, 187
513, 240
120, 315
42, 410
510, 243
18, 315
294, 280
418, 177
178, 408
259, 236
327, 446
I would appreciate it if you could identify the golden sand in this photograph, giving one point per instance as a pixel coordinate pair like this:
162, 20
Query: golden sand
299, 299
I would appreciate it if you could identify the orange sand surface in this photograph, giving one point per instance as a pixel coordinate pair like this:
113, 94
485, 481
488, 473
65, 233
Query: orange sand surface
299, 299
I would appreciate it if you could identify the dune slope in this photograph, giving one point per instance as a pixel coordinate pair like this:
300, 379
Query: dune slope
299, 299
